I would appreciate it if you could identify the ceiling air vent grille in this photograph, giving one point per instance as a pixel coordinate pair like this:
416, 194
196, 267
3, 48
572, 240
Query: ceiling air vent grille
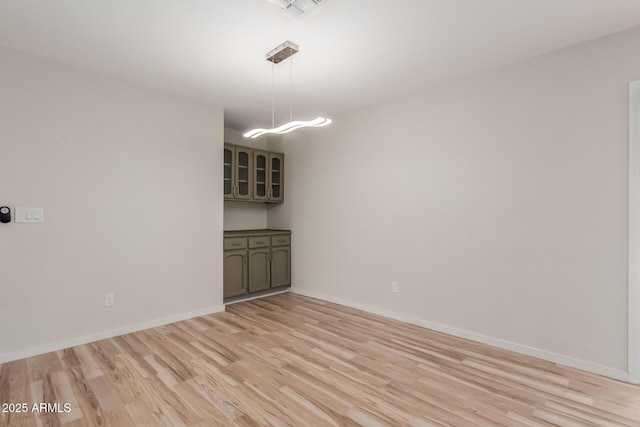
297, 8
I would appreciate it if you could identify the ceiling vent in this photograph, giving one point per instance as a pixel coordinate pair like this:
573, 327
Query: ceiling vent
297, 8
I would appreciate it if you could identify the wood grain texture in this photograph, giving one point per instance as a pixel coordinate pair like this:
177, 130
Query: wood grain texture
289, 360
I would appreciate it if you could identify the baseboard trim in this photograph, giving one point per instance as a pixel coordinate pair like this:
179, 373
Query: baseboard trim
560, 359
252, 297
60, 345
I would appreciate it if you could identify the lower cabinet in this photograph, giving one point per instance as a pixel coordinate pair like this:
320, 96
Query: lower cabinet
259, 269
256, 260
235, 273
280, 266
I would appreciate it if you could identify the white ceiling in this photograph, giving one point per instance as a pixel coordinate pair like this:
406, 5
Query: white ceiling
353, 53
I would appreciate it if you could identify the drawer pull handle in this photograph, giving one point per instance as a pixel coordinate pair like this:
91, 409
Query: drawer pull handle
259, 242
236, 244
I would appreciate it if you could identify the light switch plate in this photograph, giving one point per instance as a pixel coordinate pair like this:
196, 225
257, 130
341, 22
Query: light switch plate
29, 214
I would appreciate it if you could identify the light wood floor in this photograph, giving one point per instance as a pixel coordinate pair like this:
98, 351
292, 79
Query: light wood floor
290, 360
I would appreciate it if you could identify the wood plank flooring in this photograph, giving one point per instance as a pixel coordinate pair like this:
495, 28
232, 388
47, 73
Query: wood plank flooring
288, 360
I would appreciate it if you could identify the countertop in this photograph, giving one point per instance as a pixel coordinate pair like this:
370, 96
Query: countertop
262, 232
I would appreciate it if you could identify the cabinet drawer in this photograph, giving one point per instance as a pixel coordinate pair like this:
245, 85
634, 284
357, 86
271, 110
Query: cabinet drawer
235, 243
258, 242
281, 240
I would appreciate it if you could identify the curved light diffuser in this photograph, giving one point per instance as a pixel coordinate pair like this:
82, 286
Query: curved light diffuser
288, 127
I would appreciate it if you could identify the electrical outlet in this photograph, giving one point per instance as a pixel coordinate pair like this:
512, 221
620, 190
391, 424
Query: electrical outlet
109, 300
394, 287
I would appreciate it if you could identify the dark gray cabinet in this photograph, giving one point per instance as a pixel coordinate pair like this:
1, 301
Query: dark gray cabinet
235, 273
238, 170
253, 175
259, 263
280, 268
261, 175
256, 260
276, 177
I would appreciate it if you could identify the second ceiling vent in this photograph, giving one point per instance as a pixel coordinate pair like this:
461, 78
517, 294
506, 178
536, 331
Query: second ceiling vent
297, 8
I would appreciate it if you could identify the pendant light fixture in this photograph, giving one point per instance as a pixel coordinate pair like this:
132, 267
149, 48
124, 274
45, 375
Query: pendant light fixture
277, 55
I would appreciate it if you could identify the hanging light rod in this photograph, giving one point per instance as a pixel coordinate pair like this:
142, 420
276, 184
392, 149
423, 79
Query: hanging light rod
277, 55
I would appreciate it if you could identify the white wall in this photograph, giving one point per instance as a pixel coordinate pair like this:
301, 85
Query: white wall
244, 215
499, 204
129, 180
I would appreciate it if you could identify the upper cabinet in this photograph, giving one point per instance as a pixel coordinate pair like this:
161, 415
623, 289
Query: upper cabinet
268, 175
238, 165
253, 175
260, 184
276, 177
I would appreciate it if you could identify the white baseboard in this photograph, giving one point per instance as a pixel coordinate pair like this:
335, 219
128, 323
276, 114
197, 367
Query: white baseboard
60, 345
461, 333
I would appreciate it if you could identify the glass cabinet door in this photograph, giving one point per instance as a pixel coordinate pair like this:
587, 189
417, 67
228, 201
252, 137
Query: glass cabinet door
243, 173
228, 173
276, 177
260, 186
